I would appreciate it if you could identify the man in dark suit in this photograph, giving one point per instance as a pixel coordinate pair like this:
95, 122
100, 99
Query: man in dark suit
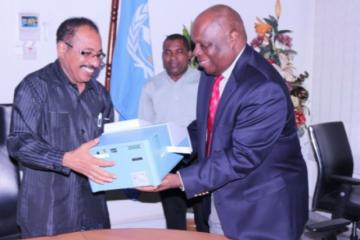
250, 158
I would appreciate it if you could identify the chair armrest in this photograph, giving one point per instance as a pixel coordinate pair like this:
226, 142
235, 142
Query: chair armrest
344, 179
329, 225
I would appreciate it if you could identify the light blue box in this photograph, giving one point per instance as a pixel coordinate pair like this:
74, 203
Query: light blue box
142, 155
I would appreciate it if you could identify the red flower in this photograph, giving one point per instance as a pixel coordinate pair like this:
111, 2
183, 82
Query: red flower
299, 118
284, 39
256, 42
271, 61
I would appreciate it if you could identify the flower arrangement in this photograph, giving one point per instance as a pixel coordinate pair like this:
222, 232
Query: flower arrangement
276, 47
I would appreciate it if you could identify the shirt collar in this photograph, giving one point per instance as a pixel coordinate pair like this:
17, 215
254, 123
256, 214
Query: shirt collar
63, 78
183, 78
226, 74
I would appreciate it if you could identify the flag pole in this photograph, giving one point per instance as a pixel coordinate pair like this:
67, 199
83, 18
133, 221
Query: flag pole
111, 41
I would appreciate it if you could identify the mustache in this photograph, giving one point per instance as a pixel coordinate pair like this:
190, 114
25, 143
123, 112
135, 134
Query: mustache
89, 66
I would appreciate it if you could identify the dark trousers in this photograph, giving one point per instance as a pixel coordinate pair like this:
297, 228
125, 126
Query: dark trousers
175, 206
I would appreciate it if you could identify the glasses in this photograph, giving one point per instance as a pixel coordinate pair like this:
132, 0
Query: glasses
89, 53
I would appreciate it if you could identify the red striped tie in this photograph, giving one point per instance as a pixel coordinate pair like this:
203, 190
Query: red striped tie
213, 103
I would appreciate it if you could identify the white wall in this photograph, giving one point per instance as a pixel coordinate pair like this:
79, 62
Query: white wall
51, 14
336, 81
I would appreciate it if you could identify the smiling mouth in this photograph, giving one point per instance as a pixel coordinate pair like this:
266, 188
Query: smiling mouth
88, 69
202, 62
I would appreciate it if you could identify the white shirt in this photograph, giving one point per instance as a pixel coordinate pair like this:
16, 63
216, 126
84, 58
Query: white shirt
226, 74
165, 100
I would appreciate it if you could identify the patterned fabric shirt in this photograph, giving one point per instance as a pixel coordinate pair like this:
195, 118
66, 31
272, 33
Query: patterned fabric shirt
49, 118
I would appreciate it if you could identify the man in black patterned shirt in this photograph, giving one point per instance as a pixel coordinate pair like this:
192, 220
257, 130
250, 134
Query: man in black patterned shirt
58, 113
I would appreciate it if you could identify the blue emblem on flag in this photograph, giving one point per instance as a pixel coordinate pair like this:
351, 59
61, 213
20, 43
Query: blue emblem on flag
132, 60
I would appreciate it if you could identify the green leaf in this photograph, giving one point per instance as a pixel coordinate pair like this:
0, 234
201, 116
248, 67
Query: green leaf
288, 51
186, 33
273, 18
275, 57
271, 23
284, 31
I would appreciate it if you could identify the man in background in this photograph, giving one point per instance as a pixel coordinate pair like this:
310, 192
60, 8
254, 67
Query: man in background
171, 97
249, 152
58, 111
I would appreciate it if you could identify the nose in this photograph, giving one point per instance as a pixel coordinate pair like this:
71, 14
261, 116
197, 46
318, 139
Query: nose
197, 50
172, 56
95, 61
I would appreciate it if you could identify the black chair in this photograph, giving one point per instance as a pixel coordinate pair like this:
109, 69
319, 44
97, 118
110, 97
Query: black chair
9, 181
336, 192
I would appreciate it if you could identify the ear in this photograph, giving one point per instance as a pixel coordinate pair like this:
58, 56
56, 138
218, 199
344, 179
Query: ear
61, 48
233, 38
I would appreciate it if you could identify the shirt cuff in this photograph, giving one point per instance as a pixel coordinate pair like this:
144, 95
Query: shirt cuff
182, 187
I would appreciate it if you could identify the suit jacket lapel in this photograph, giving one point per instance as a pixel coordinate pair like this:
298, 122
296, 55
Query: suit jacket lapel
204, 93
233, 82
203, 99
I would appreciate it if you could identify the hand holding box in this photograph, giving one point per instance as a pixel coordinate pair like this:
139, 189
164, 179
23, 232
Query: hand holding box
143, 153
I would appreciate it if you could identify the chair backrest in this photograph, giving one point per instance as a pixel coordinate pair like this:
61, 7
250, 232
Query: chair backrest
9, 180
333, 156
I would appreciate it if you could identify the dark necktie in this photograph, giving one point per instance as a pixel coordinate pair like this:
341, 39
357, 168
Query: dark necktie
213, 104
